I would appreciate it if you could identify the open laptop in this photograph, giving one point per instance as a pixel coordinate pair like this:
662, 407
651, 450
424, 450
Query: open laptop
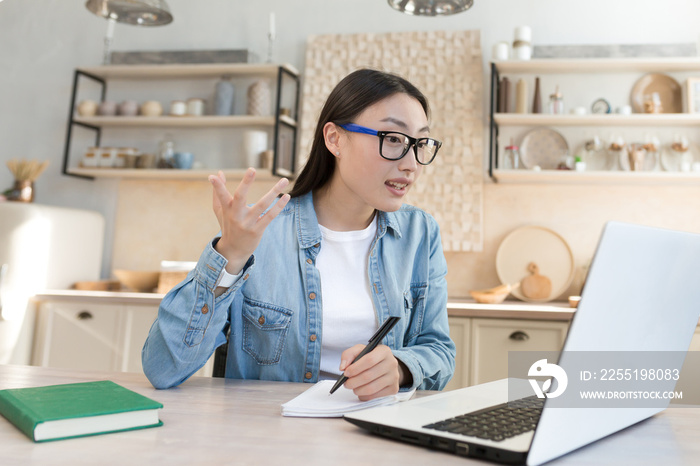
641, 295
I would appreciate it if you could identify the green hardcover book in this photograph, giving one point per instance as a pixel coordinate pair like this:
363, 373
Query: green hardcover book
75, 410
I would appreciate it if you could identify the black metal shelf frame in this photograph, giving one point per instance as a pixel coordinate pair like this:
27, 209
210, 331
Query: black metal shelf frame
276, 169
69, 131
493, 126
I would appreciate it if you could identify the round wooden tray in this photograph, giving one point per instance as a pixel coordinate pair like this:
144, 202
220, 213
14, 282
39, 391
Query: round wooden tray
542, 246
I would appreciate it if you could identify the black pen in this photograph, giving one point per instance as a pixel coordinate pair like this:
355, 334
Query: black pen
373, 342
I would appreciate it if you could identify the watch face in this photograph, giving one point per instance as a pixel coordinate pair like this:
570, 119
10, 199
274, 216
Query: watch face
600, 106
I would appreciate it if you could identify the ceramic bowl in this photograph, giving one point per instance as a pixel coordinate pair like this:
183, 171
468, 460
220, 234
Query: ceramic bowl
143, 281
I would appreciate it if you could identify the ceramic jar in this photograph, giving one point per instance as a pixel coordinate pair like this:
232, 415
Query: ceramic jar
260, 98
151, 108
128, 108
223, 97
87, 108
178, 108
254, 143
195, 107
107, 108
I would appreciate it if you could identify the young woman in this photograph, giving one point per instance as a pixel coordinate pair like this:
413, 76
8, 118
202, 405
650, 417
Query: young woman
304, 279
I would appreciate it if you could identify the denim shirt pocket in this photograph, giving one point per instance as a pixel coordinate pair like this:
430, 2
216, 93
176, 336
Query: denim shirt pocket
200, 316
414, 308
264, 330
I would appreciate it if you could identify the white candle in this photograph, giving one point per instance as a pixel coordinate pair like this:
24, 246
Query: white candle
110, 27
272, 24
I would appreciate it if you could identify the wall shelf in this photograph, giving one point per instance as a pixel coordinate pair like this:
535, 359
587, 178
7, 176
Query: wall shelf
637, 120
596, 177
283, 127
610, 119
185, 71
168, 174
205, 121
597, 65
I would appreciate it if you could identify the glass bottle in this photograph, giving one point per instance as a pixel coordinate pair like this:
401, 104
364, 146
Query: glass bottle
556, 103
511, 157
537, 100
166, 152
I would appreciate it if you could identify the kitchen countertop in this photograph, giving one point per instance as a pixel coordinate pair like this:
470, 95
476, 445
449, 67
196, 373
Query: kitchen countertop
455, 307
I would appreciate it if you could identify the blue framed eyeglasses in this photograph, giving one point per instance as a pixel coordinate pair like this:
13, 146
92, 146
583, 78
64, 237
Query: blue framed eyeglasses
394, 145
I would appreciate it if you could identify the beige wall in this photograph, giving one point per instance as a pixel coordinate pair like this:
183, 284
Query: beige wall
577, 213
172, 220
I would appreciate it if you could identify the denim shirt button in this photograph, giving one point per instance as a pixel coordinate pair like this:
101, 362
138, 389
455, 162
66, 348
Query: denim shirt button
205, 309
309, 261
308, 375
312, 295
312, 338
261, 320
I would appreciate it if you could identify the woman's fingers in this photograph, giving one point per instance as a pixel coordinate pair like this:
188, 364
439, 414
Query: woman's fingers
374, 375
267, 217
241, 193
264, 203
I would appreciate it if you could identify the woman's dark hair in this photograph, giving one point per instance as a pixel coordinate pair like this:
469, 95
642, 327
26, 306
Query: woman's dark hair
351, 96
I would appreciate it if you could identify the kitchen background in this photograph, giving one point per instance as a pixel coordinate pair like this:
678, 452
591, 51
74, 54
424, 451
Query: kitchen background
43, 41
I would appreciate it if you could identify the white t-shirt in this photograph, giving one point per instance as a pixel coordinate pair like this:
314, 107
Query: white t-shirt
349, 317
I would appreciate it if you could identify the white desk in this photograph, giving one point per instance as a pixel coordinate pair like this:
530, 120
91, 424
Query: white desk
219, 421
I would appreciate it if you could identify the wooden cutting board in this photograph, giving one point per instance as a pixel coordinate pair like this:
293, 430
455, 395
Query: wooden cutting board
535, 286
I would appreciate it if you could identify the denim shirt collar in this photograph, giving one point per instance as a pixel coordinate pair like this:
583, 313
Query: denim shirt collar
309, 234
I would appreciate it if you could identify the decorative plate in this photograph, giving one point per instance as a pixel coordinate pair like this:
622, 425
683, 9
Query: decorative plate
669, 91
650, 160
671, 160
542, 246
543, 147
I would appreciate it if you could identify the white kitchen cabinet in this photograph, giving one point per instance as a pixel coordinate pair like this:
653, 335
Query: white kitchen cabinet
483, 345
492, 339
92, 335
460, 332
78, 336
484, 333
583, 81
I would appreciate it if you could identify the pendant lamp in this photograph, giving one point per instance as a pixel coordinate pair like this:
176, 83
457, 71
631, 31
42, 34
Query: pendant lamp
431, 7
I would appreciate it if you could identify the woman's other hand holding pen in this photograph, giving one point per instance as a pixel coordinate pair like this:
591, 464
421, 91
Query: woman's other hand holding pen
376, 374
242, 226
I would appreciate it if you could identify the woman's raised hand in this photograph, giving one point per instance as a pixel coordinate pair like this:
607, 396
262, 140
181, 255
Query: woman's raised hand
241, 225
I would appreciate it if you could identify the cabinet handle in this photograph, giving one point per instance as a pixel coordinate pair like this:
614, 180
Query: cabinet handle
84, 315
519, 335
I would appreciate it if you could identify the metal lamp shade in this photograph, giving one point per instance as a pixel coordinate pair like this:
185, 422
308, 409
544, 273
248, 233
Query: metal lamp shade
136, 12
431, 7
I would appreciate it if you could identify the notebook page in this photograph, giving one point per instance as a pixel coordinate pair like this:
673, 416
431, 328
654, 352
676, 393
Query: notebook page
316, 401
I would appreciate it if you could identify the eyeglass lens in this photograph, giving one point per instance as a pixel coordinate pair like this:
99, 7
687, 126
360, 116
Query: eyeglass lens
395, 146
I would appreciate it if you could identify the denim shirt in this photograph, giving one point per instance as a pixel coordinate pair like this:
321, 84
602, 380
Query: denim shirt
275, 308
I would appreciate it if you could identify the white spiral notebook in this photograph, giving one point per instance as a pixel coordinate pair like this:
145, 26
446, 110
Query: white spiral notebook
316, 401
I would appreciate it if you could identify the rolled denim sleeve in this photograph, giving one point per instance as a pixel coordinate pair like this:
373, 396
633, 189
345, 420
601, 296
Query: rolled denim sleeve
431, 359
190, 322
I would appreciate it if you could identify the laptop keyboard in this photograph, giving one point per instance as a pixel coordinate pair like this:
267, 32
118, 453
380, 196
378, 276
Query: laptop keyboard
495, 423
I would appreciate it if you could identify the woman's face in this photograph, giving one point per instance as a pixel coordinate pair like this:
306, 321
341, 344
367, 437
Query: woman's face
362, 173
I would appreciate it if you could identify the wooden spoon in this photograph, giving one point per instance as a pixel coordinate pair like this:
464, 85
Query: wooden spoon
535, 286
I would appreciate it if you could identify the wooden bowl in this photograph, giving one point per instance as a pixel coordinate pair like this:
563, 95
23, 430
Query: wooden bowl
488, 298
143, 281
100, 285
494, 295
